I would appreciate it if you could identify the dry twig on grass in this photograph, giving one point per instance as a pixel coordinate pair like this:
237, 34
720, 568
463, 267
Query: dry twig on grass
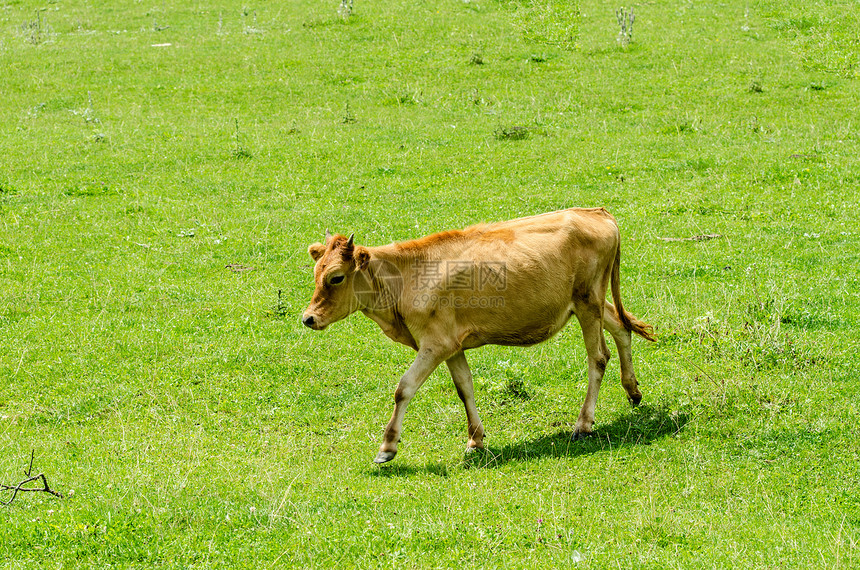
703, 237
238, 267
30, 478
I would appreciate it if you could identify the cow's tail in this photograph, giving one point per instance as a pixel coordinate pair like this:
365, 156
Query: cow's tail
629, 321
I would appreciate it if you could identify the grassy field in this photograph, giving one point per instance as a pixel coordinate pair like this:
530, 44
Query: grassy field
165, 165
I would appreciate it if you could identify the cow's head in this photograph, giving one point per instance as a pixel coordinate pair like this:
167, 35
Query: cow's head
338, 261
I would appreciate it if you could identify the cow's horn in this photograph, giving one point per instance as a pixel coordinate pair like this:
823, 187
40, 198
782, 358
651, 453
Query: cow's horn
349, 241
327, 236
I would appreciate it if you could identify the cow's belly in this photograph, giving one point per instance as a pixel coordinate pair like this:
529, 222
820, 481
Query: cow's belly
508, 329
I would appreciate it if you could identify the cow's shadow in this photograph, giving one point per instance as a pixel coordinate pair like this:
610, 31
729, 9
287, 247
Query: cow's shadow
639, 427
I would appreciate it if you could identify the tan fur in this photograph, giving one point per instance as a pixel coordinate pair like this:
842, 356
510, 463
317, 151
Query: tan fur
512, 283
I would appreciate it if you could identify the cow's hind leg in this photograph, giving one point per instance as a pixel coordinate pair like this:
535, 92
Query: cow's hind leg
622, 338
462, 377
426, 361
590, 319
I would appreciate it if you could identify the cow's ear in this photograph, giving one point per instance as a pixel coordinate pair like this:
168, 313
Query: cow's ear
362, 258
316, 251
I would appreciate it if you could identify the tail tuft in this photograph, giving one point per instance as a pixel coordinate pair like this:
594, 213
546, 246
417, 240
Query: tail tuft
633, 324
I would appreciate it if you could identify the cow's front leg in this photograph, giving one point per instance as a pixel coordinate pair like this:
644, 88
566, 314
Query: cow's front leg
426, 361
462, 377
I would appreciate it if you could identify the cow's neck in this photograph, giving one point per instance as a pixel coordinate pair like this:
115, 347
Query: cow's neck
385, 309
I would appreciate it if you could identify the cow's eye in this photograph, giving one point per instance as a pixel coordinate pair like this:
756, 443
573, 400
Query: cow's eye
337, 280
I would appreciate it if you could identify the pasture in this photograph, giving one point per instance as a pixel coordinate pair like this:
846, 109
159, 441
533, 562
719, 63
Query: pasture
166, 164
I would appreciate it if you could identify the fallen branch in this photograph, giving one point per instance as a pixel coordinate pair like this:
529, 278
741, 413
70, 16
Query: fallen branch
703, 237
238, 267
20, 488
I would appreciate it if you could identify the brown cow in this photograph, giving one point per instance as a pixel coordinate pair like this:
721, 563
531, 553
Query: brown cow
512, 283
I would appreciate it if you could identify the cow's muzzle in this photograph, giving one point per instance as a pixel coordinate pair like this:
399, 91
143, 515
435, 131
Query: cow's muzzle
311, 322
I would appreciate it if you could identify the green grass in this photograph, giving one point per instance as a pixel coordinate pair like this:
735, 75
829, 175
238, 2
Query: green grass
190, 421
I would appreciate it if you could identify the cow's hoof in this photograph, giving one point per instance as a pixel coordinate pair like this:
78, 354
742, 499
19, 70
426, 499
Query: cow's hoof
634, 400
474, 450
384, 456
580, 435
